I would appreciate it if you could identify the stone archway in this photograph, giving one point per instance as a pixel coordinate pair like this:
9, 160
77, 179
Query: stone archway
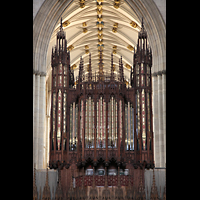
43, 25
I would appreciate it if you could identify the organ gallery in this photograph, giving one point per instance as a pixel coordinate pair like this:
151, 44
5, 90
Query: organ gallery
101, 132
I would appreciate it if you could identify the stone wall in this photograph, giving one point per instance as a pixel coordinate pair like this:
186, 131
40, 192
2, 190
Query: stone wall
41, 179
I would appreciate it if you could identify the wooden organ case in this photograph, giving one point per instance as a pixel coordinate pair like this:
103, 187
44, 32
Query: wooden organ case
97, 118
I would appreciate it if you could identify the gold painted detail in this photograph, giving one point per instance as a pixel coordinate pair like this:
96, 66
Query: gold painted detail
116, 4
100, 24
100, 47
130, 47
100, 36
85, 30
114, 49
133, 24
65, 23
113, 67
84, 24
73, 66
127, 83
115, 26
128, 66
99, 12
99, 6
82, 3
100, 41
100, 31
99, 19
87, 51
71, 47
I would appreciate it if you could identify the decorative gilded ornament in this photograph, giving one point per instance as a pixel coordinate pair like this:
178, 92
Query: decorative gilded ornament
84, 24
82, 3
116, 4
99, 6
85, 30
100, 41
133, 24
73, 66
100, 47
100, 36
88, 68
113, 67
99, 12
130, 47
100, 1
100, 24
65, 23
114, 51
86, 47
115, 25
100, 31
128, 66
114, 30
114, 47
87, 51
71, 47
99, 19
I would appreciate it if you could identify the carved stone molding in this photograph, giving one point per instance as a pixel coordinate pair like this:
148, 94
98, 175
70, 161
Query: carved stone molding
159, 73
36, 72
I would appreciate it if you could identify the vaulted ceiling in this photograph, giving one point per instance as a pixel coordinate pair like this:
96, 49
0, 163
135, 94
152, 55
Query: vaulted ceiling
93, 24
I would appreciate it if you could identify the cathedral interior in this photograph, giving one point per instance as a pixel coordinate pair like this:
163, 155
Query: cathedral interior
99, 100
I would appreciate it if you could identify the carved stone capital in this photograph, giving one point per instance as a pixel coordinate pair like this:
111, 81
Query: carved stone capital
42, 74
36, 72
160, 73
155, 74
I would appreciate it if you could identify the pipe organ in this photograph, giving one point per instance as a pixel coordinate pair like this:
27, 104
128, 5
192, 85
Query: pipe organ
99, 118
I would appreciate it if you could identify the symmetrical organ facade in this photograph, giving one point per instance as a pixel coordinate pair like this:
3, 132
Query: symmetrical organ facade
99, 124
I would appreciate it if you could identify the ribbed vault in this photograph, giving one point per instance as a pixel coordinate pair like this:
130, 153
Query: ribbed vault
92, 24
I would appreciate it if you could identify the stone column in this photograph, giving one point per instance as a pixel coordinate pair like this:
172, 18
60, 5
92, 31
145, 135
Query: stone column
155, 119
164, 115
48, 101
36, 118
42, 109
160, 117
33, 119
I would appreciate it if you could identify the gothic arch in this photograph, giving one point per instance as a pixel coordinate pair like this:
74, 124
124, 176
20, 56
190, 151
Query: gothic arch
44, 24
50, 12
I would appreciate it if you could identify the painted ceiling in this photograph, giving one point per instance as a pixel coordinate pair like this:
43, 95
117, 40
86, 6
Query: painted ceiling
93, 24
